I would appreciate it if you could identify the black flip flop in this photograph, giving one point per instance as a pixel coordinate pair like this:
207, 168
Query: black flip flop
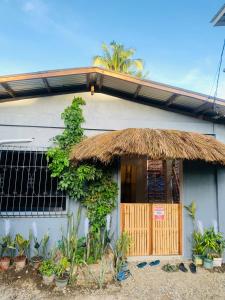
154, 263
141, 265
192, 268
183, 268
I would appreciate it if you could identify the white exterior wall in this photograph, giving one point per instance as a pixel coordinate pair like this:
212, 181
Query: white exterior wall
39, 118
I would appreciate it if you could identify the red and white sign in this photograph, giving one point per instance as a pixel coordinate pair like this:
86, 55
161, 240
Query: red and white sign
159, 213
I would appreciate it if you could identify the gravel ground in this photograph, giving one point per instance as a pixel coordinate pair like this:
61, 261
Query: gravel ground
146, 283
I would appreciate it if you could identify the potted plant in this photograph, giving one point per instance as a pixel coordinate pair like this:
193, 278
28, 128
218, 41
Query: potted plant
61, 272
208, 261
22, 245
40, 250
198, 248
47, 270
220, 247
7, 244
211, 242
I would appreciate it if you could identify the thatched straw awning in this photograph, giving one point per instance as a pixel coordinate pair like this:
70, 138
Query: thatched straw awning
154, 143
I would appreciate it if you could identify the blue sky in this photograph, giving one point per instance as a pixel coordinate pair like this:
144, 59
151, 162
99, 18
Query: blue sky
176, 40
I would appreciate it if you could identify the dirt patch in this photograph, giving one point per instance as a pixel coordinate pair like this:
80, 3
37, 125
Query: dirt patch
146, 283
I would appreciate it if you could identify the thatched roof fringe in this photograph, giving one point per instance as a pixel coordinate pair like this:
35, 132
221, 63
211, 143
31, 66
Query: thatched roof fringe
154, 143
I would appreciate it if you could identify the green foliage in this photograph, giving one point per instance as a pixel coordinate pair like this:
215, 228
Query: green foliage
21, 244
7, 244
191, 209
118, 58
209, 244
47, 267
198, 243
90, 184
61, 267
120, 253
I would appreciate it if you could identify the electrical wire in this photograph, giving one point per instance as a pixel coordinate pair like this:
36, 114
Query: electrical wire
218, 77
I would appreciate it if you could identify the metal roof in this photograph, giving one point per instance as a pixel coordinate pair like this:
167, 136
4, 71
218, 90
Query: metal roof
13, 87
219, 18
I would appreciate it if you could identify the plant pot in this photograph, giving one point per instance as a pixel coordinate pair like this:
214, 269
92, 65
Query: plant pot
208, 263
4, 263
48, 279
62, 281
217, 262
20, 262
36, 261
198, 260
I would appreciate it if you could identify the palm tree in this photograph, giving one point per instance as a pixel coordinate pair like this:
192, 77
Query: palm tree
117, 58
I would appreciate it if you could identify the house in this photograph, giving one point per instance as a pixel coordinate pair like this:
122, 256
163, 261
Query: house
219, 18
152, 192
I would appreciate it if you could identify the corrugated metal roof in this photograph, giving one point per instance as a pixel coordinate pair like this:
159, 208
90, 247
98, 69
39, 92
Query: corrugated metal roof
149, 92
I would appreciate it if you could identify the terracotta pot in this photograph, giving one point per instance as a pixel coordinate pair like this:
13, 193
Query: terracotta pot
20, 262
36, 261
48, 279
4, 263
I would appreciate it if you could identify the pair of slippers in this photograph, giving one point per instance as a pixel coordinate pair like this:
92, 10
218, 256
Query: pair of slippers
192, 268
152, 263
181, 267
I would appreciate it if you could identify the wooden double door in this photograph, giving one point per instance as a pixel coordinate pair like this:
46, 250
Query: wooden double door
155, 229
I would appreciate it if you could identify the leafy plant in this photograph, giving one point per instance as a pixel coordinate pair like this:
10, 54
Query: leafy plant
22, 244
47, 267
214, 243
191, 209
91, 184
61, 267
121, 249
7, 245
198, 243
44, 242
118, 58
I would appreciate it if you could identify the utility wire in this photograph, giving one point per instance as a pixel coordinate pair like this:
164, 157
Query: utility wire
218, 77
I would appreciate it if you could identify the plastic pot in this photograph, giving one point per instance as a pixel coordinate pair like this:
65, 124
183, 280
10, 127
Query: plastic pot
4, 263
217, 262
48, 279
61, 282
20, 262
208, 263
198, 260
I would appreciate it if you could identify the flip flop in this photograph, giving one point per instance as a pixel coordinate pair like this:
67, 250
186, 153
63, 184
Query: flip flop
183, 268
141, 265
170, 268
123, 275
193, 268
154, 263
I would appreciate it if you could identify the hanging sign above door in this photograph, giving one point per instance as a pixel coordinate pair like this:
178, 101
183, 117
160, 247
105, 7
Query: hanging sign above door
158, 212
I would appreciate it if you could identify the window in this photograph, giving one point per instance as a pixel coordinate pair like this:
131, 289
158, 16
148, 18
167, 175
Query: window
26, 185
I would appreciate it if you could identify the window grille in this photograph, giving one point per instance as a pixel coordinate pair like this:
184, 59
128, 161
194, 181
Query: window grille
26, 185
163, 181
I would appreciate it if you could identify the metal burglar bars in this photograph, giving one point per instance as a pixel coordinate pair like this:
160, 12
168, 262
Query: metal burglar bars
26, 185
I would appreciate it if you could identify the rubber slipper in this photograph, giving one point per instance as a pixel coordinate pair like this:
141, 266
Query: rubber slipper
154, 263
141, 265
123, 275
192, 268
183, 268
170, 268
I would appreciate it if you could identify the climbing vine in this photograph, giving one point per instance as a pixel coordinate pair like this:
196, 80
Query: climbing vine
91, 184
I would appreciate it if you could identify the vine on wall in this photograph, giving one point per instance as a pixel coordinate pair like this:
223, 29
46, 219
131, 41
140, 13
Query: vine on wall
91, 184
